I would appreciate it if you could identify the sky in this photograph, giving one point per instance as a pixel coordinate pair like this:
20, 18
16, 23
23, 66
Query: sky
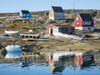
10, 6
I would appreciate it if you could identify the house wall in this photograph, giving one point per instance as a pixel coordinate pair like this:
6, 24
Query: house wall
70, 30
48, 29
58, 16
25, 15
85, 28
59, 31
55, 15
51, 14
78, 22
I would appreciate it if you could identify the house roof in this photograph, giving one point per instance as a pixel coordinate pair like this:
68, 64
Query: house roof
57, 9
86, 17
25, 11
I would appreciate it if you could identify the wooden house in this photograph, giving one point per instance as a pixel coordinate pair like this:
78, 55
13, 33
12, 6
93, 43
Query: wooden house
56, 13
25, 14
84, 22
59, 30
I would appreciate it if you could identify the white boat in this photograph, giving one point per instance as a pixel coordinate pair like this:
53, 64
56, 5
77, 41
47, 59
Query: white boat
11, 32
13, 48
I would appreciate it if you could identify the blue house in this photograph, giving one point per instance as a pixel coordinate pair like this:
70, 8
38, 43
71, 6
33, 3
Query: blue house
25, 14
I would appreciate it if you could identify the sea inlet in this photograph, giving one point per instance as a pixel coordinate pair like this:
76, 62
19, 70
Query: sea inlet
50, 63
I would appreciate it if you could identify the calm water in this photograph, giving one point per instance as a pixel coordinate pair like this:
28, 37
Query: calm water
62, 63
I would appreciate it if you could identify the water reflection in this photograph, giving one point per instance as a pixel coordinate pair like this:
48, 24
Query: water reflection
83, 60
26, 62
13, 48
57, 62
13, 55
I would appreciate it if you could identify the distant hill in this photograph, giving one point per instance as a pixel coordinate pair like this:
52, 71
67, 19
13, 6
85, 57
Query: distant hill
68, 11
8, 14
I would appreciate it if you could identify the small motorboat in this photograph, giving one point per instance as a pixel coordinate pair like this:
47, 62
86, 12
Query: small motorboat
11, 32
13, 48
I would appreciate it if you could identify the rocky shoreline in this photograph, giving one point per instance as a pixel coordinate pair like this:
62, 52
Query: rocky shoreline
52, 45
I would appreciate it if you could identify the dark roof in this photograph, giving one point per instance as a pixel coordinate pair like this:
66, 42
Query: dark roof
25, 11
86, 17
57, 9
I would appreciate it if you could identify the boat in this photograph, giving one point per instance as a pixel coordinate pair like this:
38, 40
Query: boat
11, 32
13, 48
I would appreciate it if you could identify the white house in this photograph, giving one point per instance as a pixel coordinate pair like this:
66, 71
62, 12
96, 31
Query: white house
56, 13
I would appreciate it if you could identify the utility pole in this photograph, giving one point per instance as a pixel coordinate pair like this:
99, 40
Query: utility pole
73, 5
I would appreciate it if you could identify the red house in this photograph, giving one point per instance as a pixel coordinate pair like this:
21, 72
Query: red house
60, 30
84, 22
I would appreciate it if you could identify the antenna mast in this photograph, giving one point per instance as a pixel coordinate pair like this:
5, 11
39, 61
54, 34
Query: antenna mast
73, 5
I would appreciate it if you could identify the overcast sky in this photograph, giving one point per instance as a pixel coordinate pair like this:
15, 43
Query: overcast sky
7, 6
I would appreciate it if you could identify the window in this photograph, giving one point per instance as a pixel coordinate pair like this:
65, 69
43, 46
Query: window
77, 22
77, 18
86, 23
69, 30
62, 30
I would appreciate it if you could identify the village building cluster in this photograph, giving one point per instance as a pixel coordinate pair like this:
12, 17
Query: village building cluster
82, 22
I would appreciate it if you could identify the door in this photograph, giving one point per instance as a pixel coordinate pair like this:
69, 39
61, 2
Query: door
51, 31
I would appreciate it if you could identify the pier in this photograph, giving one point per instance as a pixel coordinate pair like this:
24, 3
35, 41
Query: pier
29, 35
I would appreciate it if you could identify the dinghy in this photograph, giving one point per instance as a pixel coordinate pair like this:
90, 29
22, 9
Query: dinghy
11, 32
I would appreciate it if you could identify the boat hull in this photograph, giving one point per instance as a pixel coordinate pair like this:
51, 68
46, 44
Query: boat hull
12, 32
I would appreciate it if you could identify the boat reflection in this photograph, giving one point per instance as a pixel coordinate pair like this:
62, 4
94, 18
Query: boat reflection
13, 48
13, 55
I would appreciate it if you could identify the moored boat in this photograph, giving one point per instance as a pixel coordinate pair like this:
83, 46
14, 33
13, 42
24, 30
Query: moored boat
11, 32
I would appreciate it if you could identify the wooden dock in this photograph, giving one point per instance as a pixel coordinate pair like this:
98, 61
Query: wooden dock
29, 35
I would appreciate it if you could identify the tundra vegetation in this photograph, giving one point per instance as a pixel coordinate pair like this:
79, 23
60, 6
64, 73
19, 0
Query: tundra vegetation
39, 21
